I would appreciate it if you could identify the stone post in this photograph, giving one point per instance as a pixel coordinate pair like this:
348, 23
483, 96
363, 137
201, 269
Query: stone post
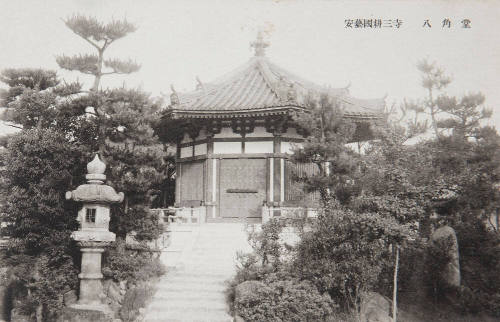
93, 235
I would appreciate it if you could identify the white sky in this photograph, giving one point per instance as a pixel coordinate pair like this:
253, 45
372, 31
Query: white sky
179, 40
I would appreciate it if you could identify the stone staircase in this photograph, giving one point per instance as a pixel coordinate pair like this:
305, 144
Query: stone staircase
200, 259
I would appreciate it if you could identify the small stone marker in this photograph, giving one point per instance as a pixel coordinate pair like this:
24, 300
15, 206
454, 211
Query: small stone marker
451, 275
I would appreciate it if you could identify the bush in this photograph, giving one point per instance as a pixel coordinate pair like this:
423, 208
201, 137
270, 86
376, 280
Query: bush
479, 250
135, 299
266, 243
345, 252
133, 266
285, 300
40, 281
411, 273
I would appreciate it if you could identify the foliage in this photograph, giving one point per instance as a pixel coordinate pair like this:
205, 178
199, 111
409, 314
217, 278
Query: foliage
121, 264
140, 269
39, 167
344, 252
454, 176
267, 243
135, 299
39, 281
285, 300
434, 80
20, 79
100, 36
135, 157
479, 260
464, 115
325, 146
122, 127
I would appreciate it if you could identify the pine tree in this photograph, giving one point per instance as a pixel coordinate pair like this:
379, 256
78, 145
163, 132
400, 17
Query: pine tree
123, 122
325, 147
100, 36
434, 80
464, 115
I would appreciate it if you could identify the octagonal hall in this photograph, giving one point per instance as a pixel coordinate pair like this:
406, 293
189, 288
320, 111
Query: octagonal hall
234, 138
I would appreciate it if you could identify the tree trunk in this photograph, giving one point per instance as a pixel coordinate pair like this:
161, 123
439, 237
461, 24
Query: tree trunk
433, 112
395, 286
98, 74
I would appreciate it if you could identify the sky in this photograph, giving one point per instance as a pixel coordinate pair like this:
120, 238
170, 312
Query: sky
177, 41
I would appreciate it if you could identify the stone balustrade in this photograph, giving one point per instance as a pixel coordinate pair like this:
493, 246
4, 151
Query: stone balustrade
287, 213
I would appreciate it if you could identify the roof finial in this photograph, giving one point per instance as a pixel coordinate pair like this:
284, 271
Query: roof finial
199, 84
174, 97
259, 44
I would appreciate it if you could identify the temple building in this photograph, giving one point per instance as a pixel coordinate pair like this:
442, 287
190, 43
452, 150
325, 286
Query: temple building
234, 137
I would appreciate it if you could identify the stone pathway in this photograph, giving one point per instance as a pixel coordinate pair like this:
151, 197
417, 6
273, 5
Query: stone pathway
204, 259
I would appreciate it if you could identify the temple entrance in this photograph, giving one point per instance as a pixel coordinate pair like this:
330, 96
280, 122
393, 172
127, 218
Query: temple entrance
242, 187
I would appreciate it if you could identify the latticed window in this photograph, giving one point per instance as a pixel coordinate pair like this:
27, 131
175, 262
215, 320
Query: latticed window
90, 215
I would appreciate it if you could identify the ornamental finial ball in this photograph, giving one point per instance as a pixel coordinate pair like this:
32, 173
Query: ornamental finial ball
96, 166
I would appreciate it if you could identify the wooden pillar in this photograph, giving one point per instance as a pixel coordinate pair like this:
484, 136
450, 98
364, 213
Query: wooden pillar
282, 180
277, 168
212, 182
270, 180
178, 173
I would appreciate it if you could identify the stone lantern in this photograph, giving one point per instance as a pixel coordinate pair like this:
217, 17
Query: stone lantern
94, 233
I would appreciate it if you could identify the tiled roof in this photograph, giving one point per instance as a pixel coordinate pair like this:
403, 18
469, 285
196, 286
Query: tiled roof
261, 86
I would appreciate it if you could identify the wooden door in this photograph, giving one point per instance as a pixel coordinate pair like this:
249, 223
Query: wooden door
242, 187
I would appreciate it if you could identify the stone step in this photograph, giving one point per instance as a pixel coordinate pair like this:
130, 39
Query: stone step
185, 293
206, 260
208, 288
193, 316
193, 298
198, 278
185, 273
175, 305
194, 287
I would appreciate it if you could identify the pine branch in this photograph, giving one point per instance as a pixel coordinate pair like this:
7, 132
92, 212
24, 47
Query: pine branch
86, 63
121, 67
90, 28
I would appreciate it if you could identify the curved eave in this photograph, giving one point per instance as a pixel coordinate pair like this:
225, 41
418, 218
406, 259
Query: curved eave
277, 110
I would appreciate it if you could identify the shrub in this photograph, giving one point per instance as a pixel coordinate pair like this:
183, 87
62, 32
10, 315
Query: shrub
479, 252
345, 252
266, 243
411, 273
285, 300
121, 264
40, 281
135, 299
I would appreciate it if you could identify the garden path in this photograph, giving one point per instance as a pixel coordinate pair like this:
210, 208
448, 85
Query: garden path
200, 259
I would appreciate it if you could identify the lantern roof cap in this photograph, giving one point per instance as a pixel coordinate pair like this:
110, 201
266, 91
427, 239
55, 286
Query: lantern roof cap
95, 191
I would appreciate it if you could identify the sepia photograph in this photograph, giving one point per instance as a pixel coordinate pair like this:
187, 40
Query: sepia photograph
249, 160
